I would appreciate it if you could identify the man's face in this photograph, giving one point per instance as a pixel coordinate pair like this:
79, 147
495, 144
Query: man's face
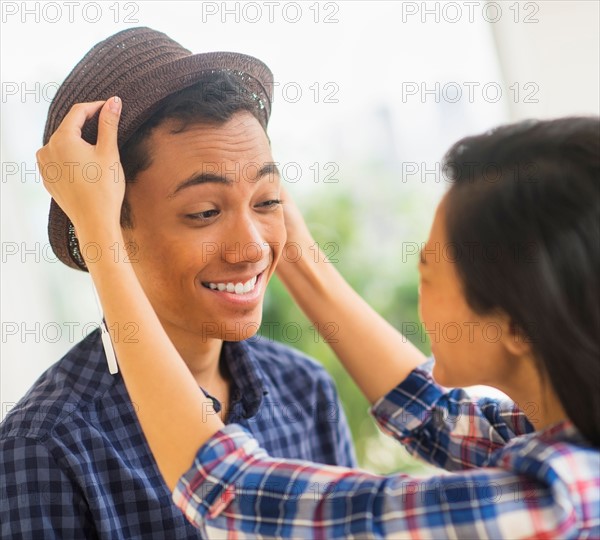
208, 227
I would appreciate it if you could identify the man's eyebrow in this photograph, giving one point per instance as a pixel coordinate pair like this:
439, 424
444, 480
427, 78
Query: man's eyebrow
200, 178
207, 178
268, 169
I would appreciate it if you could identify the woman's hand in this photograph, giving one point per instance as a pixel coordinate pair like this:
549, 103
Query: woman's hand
86, 181
299, 239
297, 231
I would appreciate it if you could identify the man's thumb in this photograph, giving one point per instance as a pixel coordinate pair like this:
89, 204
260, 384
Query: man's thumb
108, 123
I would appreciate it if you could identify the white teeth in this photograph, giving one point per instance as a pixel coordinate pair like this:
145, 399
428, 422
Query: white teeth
249, 285
237, 288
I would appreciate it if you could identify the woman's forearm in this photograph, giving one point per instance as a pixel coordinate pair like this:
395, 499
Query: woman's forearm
376, 355
175, 415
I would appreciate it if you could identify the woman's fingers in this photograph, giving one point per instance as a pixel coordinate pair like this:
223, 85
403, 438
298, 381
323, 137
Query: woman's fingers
86, 181
108, 127
75, 119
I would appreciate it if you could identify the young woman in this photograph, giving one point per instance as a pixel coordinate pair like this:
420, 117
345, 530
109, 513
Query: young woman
511, 264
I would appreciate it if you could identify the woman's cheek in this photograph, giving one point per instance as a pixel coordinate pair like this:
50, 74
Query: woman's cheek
424, 305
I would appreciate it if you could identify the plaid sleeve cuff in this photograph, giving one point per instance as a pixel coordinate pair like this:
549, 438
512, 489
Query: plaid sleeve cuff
409, 405
209, 486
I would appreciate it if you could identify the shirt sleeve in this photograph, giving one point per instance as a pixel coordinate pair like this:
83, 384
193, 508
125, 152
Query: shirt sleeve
38, 498
235, 490
447, 428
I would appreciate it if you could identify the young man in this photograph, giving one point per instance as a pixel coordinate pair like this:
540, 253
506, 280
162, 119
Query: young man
204, 230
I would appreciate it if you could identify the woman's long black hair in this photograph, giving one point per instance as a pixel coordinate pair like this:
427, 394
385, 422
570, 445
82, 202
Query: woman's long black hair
524, 213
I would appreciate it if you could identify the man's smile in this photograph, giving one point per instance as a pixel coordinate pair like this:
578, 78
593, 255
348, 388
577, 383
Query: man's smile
231, 287
241, 289
235, 285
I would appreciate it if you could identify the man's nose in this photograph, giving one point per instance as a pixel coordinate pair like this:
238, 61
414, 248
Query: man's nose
245, 243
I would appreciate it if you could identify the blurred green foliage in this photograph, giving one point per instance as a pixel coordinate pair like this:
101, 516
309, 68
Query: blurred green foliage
365, 232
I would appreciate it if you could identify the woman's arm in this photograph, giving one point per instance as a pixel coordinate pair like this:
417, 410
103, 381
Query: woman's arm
376, 355
235, 490
174, 414
447, 428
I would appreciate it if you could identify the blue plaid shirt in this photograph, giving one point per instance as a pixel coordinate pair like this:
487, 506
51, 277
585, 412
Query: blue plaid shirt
74, 462
507, 481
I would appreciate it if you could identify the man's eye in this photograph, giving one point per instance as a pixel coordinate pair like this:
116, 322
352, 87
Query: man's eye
203, 216
273, 203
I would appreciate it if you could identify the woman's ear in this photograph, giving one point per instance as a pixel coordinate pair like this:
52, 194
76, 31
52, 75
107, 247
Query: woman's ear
514, 338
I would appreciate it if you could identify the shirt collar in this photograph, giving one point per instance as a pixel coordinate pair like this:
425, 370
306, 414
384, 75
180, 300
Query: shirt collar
564, 430
247, 377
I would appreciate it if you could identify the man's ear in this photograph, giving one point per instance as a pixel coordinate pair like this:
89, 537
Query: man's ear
514, 338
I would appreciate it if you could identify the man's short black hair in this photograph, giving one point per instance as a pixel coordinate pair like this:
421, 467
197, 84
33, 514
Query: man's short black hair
214, 99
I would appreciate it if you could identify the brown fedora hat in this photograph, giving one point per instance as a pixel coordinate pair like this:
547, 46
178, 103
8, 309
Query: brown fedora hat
142, 66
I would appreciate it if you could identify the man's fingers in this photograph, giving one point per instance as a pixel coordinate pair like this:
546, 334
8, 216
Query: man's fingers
108, 124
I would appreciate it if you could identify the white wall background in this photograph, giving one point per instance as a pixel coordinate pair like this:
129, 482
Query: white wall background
542, 55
